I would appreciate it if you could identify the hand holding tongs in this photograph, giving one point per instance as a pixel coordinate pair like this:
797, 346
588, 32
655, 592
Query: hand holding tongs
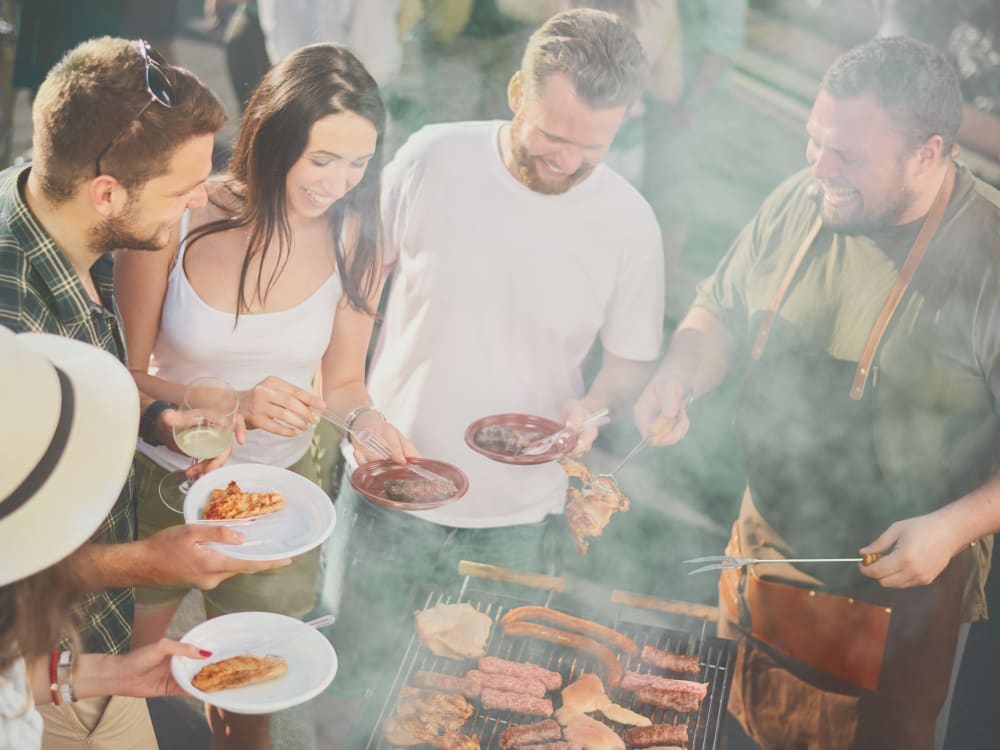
724, 562
541, 445
378, 445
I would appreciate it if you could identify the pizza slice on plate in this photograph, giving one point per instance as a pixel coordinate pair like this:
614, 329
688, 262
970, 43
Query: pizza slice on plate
232, 503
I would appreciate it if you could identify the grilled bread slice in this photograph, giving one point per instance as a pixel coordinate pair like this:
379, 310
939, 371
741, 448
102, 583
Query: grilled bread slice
239, 671
232, 503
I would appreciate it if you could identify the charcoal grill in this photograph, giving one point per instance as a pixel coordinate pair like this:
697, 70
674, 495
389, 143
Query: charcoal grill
716, 656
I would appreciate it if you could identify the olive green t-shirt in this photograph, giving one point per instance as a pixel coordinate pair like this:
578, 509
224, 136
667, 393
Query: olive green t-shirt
936, 377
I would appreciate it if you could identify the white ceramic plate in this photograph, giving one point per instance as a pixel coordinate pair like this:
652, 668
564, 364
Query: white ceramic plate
304, 523
312, 662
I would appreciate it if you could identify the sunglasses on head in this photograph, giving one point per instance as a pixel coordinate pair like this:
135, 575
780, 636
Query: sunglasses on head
157, 86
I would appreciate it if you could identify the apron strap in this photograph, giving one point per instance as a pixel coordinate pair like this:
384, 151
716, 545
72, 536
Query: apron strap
913, 259
772, 310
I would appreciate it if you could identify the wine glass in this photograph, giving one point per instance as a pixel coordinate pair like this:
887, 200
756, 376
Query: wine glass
202, 429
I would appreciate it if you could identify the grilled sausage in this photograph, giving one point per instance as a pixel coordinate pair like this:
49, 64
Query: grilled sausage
507, 682
540, 731
576, 624
579, 642
519, 703
657, 734
670, 661
672, 699
496, 665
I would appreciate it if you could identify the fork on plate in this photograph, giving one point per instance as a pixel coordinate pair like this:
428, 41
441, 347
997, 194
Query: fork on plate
378, 445
544, 444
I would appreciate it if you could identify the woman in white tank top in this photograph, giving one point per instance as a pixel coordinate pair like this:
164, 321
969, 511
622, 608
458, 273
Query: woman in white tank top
273, 286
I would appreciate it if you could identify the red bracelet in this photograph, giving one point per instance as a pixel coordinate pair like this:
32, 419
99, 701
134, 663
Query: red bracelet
54, 678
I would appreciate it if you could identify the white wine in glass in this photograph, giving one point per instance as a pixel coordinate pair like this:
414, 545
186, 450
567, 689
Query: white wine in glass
203, 429
203, 440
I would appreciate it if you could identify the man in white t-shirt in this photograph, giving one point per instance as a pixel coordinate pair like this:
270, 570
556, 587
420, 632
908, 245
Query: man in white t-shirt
515, 248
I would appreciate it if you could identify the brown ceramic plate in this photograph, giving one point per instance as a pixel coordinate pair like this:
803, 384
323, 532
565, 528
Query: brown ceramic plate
527, 423
369, 480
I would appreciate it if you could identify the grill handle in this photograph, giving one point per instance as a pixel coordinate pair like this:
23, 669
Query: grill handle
669, 606
506, 575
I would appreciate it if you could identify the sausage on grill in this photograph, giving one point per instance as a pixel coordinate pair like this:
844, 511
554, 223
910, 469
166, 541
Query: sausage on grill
572, 640
518, 703
541, 731
657, 734
496, 665
576, 624
670, 661
507, 682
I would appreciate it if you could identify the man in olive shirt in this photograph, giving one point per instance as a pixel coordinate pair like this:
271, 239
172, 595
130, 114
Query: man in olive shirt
122, 147
863, 303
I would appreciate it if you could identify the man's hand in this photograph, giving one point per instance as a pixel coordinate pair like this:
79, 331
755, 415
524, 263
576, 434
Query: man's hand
400, 448
916, 551
181, 555
661, 412
574, 414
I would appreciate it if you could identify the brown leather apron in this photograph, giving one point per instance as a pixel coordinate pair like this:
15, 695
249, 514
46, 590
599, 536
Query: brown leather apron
850, 664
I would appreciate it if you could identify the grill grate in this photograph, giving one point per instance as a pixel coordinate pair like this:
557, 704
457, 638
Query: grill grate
715, 655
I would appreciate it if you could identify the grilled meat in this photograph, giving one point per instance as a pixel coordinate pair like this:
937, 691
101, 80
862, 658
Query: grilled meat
418, 490
239, 671
505, 439
232, 503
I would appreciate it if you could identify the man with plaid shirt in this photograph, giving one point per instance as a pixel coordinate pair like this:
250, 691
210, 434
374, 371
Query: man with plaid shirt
122, 147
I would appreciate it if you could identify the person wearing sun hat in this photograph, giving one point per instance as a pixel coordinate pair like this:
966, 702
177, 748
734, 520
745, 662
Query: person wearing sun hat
66, 444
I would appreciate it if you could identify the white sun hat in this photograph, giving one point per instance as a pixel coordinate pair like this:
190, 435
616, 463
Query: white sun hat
67, 438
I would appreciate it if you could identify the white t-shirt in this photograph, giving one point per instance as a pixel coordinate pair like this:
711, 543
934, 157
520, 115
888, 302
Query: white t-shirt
498, 296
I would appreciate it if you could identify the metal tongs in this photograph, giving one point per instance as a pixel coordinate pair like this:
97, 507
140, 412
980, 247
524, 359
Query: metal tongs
377, 445
725, 562
542, 445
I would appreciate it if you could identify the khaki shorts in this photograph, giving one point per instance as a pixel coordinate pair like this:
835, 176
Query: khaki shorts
289, 591
98, 724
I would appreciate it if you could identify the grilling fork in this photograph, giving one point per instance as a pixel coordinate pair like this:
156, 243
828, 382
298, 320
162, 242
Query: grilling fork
688, 398
725, 562
377, 445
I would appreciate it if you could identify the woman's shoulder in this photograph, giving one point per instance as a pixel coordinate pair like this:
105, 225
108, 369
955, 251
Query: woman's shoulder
222, 203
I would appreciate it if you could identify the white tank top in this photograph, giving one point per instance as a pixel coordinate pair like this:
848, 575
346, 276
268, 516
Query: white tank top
197, 340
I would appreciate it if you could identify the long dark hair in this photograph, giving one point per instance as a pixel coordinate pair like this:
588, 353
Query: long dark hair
35, 613
309, 84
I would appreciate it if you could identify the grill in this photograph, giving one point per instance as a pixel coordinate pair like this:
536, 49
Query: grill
715, 655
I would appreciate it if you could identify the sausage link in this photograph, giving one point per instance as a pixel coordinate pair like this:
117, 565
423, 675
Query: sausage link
576, 624
579, 642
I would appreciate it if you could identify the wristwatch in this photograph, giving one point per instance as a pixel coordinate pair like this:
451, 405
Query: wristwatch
147, 422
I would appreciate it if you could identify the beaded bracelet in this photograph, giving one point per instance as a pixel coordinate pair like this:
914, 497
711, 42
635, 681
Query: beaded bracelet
54, 677
66, 683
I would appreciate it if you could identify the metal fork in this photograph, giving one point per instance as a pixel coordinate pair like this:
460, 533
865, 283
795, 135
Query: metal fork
688, 398
378, 445
543, 444
725, 562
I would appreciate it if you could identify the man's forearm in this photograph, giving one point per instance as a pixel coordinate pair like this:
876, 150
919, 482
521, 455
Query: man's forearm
108, 566
975, 515
700, 353
617, 384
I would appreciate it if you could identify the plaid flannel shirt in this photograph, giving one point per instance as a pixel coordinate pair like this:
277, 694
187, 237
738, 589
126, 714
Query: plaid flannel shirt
41, 292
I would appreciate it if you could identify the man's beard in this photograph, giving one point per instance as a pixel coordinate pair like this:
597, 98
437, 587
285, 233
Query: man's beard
119, 233
527, 167
861, 218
